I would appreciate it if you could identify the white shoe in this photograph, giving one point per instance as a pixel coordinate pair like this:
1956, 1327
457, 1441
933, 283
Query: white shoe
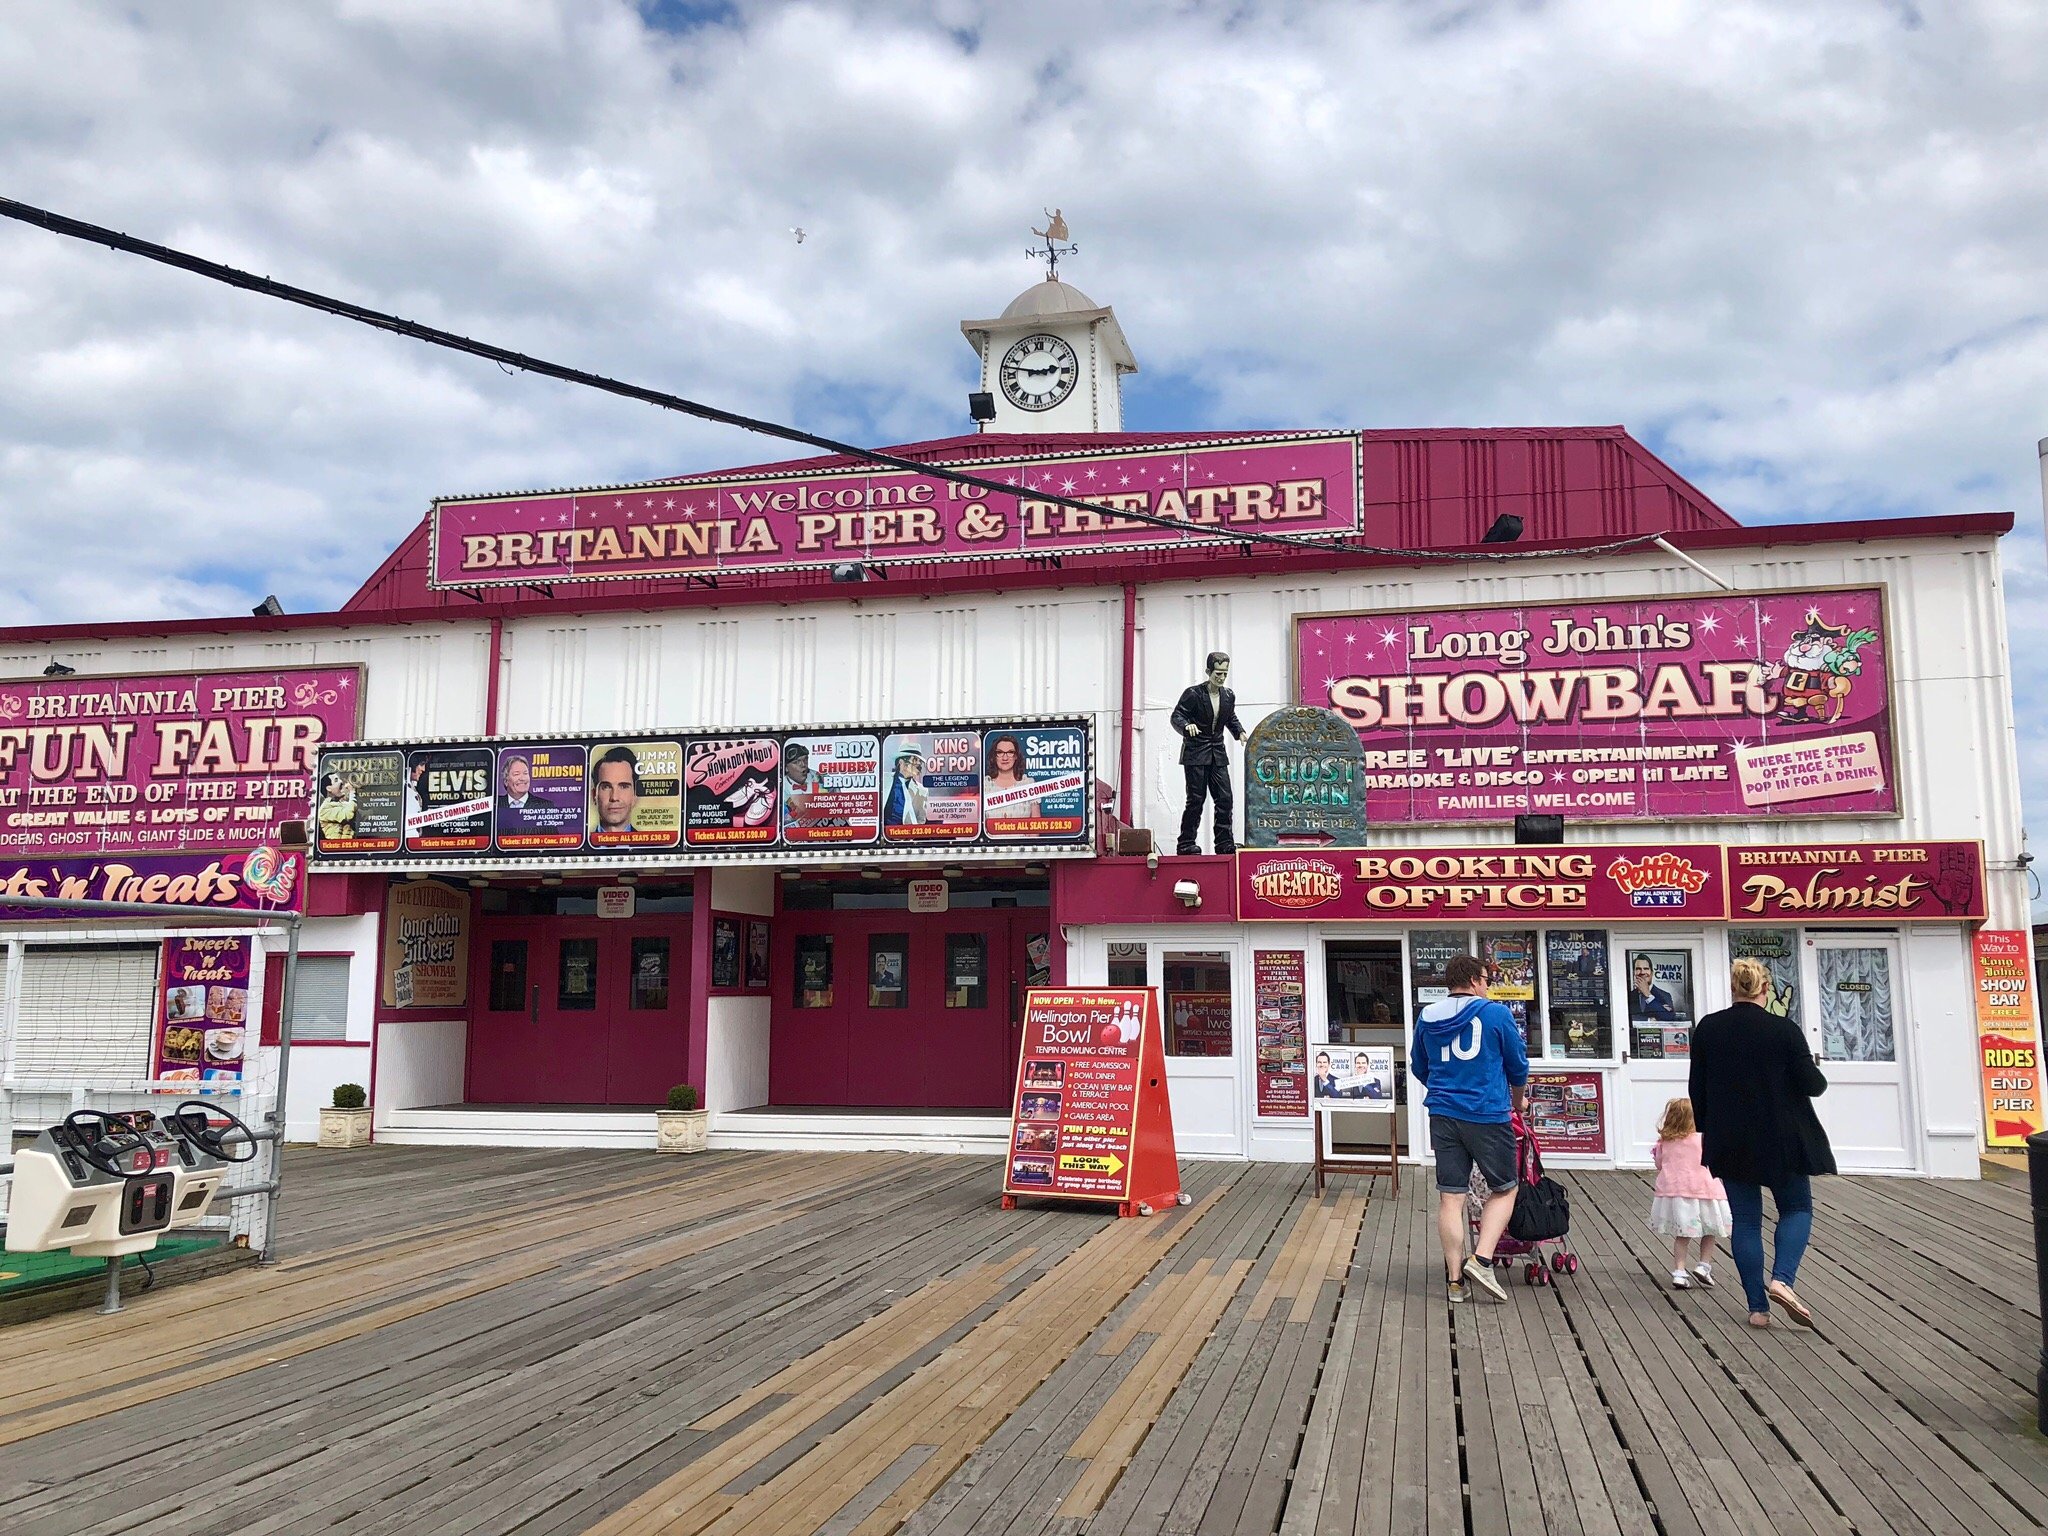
1704, 1273
1458, 1293
1480, 1273
1679, 1282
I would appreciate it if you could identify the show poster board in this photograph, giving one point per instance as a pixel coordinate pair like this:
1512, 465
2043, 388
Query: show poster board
1019, 785
1724, 705
2008, 1036
1575, 971
164, 762
1280, 1008
1568, 1112
1353, 1077
1090, 1119
1660, 1003
426, 946
203, 1015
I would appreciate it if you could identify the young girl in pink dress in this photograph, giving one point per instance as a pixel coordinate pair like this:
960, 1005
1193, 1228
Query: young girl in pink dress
1690, 1204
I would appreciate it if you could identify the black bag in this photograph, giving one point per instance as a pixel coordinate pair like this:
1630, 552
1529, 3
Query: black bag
1543, 1211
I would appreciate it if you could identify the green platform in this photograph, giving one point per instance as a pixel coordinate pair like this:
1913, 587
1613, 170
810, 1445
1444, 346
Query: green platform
21, 1272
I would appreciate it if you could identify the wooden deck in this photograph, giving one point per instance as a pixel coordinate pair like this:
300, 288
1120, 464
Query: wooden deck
514, 1340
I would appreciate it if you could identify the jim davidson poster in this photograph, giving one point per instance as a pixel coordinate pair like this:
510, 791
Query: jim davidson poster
1724, 705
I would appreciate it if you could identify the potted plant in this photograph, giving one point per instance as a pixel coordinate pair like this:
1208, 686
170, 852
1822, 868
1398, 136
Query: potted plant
682, 1127
347, 1122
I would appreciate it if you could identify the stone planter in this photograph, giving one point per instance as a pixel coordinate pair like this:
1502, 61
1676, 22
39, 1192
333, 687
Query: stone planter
681, 1130
345, 1127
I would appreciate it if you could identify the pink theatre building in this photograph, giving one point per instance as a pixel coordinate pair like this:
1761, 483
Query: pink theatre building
786, 781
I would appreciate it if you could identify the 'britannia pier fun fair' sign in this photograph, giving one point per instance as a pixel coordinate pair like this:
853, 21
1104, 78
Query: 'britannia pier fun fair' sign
1295, 487
1728, 705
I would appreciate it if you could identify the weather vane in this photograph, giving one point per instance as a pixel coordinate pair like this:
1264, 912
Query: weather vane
1056, 244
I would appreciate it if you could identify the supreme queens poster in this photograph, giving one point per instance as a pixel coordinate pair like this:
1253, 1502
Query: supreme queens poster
1724, 705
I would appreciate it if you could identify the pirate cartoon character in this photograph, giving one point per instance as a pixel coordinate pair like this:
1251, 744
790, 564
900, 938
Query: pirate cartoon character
1819, 669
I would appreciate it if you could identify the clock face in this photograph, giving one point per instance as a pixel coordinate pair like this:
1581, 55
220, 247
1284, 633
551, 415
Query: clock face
1038, 372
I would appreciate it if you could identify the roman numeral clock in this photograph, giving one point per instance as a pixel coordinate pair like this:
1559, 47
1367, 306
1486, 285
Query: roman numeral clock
1038, 372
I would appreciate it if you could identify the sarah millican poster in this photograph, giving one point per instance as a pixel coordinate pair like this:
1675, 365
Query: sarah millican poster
1033, 783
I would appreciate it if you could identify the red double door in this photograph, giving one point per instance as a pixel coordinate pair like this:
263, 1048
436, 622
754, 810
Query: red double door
901, 1010
579, 1010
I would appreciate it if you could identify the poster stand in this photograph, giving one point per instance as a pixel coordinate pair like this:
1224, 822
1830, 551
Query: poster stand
1090, 1118
1387, 1165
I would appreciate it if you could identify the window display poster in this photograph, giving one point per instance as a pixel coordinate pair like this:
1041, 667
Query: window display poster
757, 955
1575, 974
636, 794
1510, 961
361, 804
2008, 1037
1280, 1000
204, 1017
729, 792
888, 967
1568, 1112
448, 799
1200, 1023
1034, 783
1778, 949
540, 798
1429, 951
932, 787
1354, 1077
831, 789
426, 946
814, 970
725, 951
1660, 1003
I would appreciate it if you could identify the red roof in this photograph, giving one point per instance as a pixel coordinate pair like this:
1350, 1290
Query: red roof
1434, 489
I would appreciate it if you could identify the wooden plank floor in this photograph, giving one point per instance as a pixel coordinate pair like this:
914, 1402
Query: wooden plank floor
518, 1340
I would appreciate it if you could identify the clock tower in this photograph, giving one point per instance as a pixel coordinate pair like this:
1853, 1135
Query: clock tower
1053, 361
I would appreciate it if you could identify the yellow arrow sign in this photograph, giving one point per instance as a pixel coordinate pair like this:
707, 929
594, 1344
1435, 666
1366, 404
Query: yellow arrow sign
1091, 1162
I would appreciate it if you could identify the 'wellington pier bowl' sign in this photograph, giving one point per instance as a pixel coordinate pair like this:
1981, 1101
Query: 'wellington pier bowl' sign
1304, 780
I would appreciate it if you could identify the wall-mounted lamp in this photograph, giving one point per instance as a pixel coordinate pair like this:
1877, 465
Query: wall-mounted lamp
1152, 861
628, 879
550, 879
981, 405
792, 874
871, 873
1190, 894
58, 669
479, 883
954, 872
1505, 530
269, 608
1034, 870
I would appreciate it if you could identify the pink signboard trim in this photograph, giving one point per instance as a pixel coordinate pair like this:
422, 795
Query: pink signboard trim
1715, 705
164, 763
1305, 487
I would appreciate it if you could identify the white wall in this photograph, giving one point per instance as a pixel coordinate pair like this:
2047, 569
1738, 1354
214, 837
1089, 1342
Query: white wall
736, 1047
318, 1068
419, 1062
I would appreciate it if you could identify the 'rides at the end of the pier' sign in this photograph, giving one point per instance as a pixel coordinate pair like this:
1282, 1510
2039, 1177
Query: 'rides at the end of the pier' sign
1289, 487
1727, 705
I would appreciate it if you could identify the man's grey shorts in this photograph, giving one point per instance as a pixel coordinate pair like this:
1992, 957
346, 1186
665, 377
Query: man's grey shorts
1461, 1143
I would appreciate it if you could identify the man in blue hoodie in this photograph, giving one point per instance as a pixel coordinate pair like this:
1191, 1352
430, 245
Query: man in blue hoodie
1469, 1055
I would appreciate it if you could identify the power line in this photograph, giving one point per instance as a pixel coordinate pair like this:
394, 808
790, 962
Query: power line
233, 277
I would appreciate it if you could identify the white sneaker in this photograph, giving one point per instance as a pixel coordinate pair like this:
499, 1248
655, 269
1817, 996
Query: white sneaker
1704, 1273
1480, 1273
1679, 1282
1458, 1293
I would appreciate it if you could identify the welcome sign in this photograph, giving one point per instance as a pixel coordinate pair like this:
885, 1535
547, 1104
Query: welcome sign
1728, 705
1300, 486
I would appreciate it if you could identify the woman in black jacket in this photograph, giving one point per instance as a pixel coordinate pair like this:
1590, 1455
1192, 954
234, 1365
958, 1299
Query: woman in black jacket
1753, 1086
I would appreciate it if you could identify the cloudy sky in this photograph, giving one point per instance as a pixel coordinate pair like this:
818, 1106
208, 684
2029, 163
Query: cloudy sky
1801, 250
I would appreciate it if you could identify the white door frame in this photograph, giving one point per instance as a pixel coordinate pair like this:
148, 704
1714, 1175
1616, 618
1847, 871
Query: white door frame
1897, 1074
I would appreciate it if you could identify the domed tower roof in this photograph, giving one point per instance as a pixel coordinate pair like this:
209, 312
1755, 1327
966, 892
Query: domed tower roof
1051, 297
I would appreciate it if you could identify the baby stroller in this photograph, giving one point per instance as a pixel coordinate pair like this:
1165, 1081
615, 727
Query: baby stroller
1538, 1233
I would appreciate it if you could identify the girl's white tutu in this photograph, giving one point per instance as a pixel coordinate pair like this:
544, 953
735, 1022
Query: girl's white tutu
1682, 1216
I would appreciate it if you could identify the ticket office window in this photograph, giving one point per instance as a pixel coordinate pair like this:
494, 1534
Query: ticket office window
1556, 983
1196, 992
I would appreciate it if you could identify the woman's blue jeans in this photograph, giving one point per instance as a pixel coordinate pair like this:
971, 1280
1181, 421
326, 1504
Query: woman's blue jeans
1794, 1201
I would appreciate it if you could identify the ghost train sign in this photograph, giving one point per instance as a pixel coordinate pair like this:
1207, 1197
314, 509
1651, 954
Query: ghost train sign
1304, 780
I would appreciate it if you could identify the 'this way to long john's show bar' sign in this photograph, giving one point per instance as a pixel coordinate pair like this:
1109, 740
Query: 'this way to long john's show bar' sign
1303, 487
1724, 705
928, 786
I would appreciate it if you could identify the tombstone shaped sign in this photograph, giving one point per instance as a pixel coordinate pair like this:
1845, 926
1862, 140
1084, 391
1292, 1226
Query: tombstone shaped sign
1304, 780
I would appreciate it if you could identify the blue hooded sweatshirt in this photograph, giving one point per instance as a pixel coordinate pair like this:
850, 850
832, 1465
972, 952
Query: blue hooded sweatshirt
1467, 1051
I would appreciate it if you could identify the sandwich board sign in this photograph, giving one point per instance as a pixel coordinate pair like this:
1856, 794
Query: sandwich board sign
1090, 1119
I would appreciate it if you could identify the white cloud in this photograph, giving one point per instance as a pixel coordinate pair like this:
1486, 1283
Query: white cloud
1800, 249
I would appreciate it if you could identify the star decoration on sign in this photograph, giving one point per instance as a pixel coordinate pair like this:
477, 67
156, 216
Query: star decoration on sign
1710, 624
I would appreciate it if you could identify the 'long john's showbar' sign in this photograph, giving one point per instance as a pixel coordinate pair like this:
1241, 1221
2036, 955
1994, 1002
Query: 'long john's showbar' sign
1208, 492
1618, 882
